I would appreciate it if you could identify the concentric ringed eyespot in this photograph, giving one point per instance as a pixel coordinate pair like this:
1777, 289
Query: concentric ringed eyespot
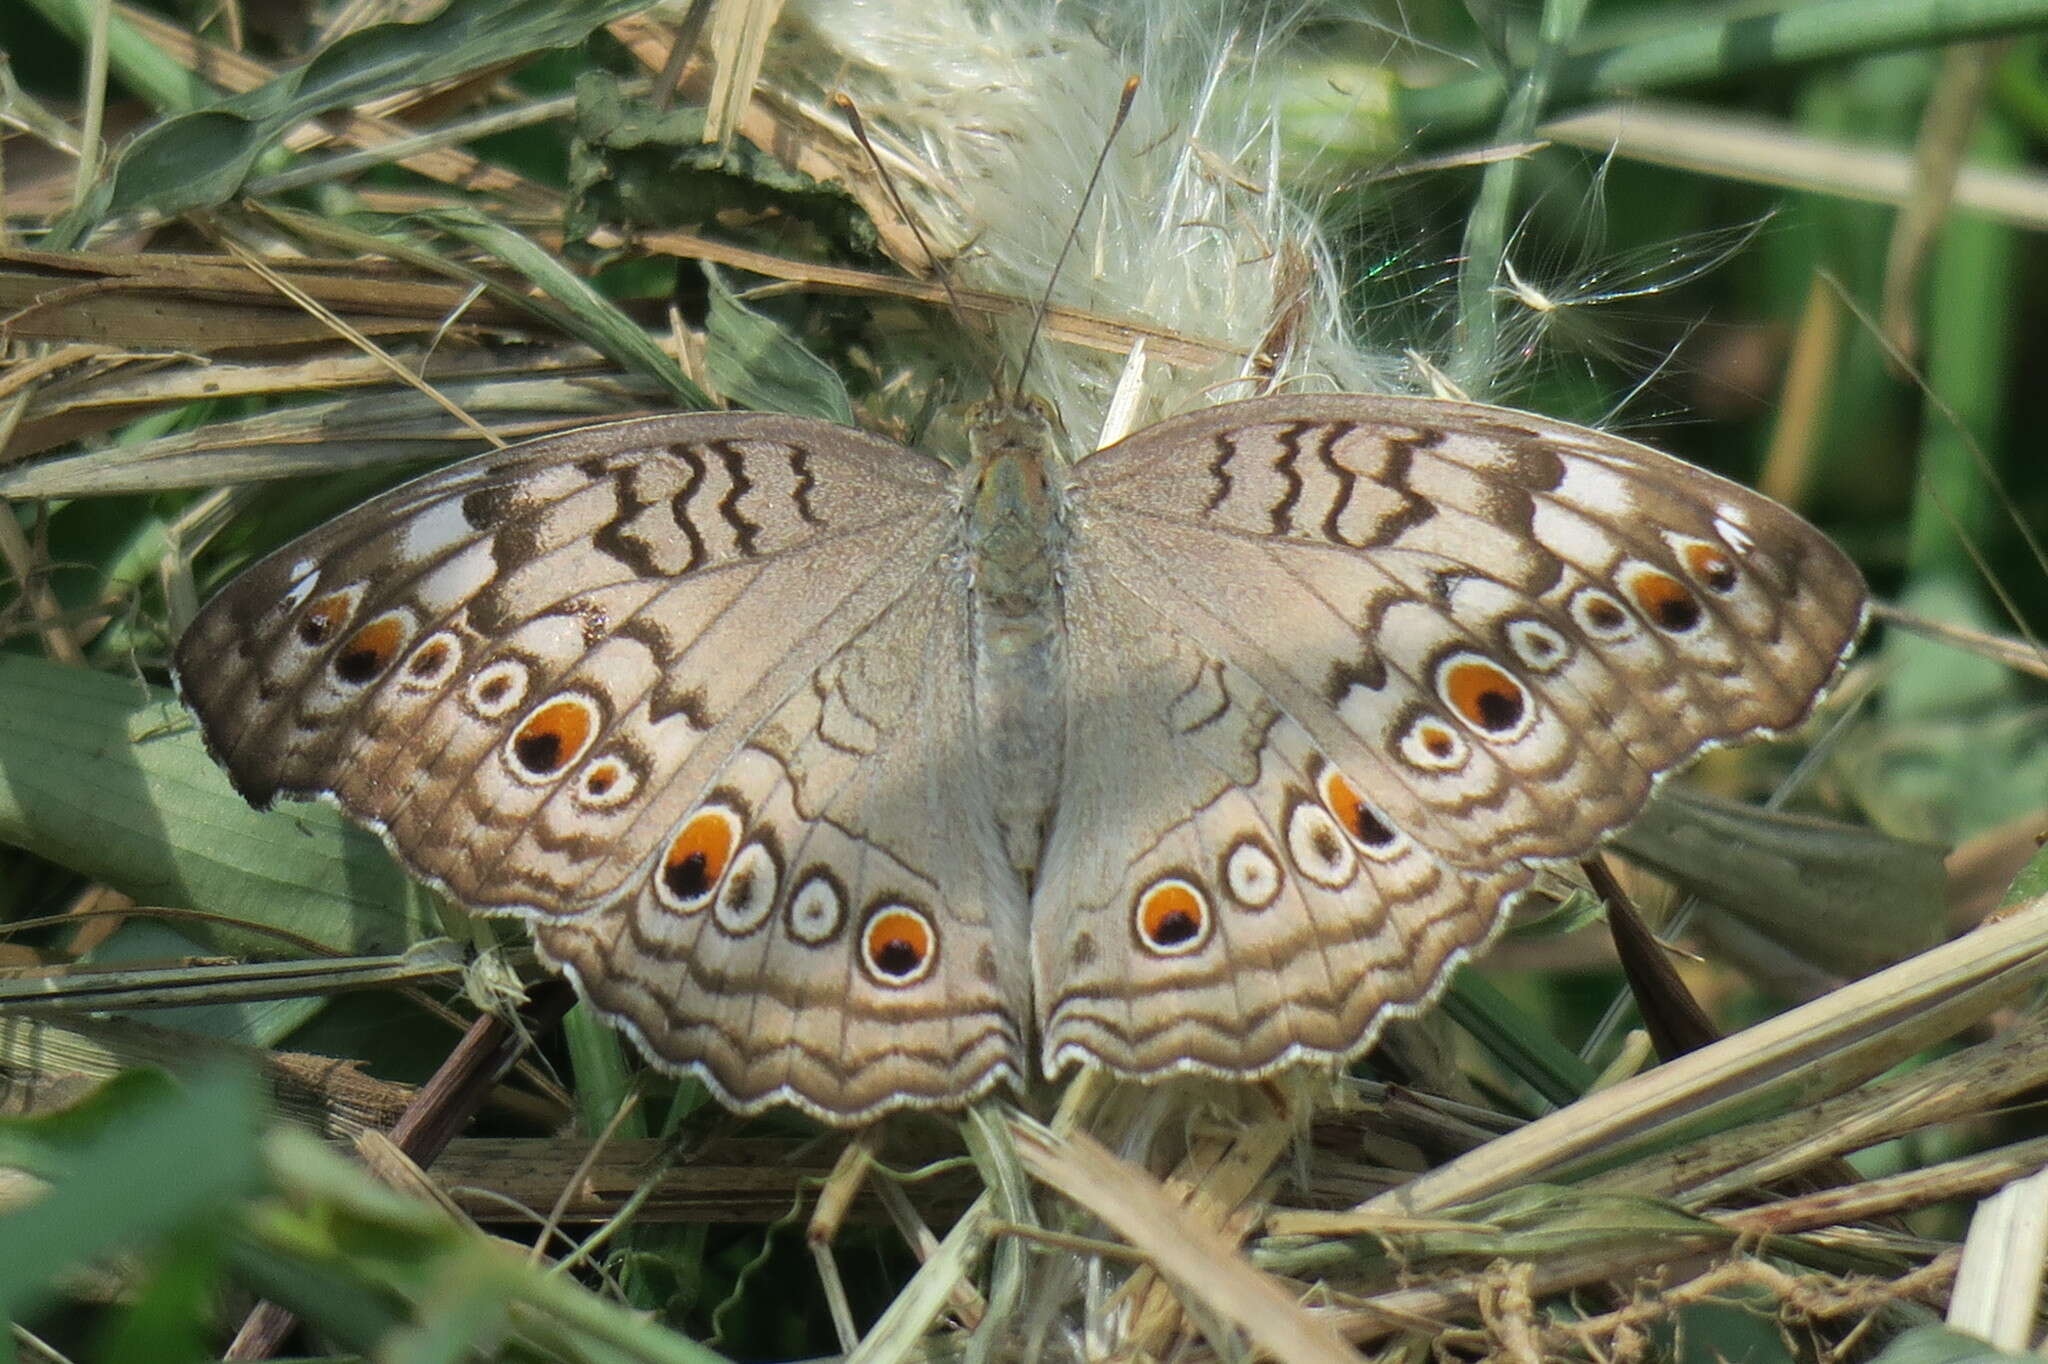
1367, 829
372, 649
324, 616
1317, 846
1485, 696
1601, 616
697, 858
607, 783
1171, 917
1430, 745
817, 911
1250, 873
432, 662
1538, 647
554, 737
898, 945
497, 689
1708, 564
747, 898
1664, 601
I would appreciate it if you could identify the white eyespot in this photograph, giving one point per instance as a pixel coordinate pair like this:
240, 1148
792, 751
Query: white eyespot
1601, 616
817, 910
1537, 647
607, 783
432, 662
497, 689
1171, 917
1318, 847
748, 896
1431, 745
1250, 874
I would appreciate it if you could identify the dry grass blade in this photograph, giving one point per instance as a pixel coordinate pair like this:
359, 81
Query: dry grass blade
1827, 1044
1200, 1262
1772, 153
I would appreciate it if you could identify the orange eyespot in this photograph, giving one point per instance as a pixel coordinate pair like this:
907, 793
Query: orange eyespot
899, 945
1439, 742
1665, 600
554, 736
1711, 566
697, 859
369, 651
1341, 799
1172, 917
1485, 696
324, 617
603, 778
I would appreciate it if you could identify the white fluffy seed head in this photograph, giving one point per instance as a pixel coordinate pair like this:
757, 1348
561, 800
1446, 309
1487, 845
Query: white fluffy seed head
991, 115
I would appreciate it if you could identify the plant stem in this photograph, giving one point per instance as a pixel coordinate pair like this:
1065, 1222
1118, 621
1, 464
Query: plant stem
1737, 45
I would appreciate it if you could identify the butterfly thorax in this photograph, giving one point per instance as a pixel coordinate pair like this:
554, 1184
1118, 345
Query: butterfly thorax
1014, 533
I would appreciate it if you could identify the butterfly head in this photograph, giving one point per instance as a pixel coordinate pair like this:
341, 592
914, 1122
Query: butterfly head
1020, 426
1012, 478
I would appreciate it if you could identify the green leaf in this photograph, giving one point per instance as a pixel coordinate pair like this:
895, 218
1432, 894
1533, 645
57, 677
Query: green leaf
107, 776
156, 1159
164, 1322
757, 363
1515, 1040
199, 159
636, 165
579, 309
2031, 883
1942, 1345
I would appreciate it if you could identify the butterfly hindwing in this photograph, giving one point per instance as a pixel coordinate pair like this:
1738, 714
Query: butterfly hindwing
1213, 897
833, 923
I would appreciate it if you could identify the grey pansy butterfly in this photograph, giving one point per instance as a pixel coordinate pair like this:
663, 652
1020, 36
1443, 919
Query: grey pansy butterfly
846, 780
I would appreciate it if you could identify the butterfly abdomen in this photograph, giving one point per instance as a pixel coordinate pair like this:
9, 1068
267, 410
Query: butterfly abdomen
1013, 530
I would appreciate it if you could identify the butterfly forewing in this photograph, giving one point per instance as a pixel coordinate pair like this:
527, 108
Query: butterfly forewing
1479, 610
402, 658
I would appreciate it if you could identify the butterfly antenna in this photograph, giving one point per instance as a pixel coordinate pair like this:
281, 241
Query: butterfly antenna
844, 103
1116, 125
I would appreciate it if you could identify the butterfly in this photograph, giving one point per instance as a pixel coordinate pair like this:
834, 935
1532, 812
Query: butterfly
843, 778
